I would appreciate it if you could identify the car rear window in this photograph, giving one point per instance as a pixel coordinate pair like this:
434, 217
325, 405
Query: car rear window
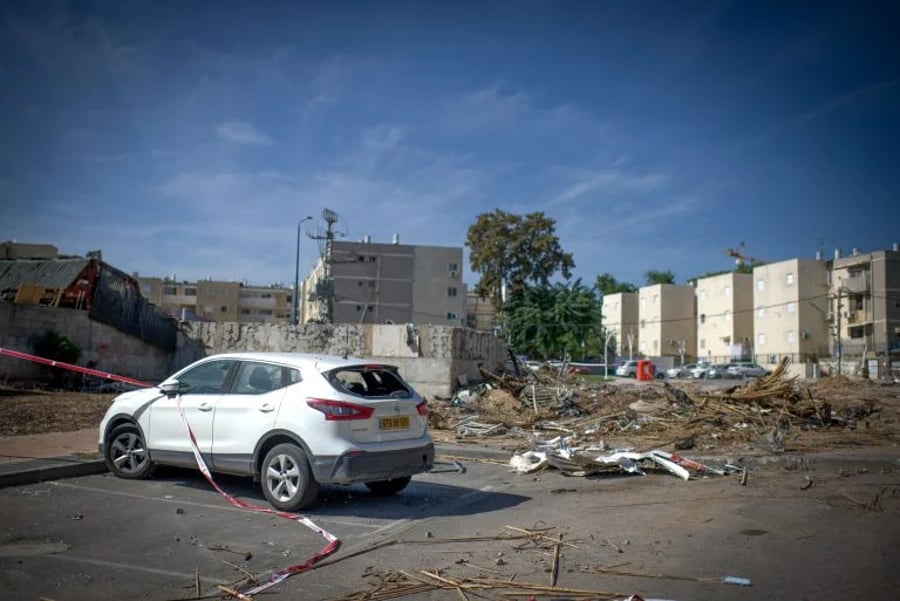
369, 381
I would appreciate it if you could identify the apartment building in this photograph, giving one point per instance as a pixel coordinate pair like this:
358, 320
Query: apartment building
366, 282
790, 310
865, 312
725, 317
210, 300
620, 318
667, 321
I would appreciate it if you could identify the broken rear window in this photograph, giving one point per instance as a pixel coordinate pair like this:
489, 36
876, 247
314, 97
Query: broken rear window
369, 381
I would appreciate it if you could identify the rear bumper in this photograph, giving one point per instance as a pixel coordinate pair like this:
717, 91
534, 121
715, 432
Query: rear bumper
371, 467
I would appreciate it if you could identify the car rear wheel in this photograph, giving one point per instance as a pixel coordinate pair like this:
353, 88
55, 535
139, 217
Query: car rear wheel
287, 481
126, 453
388, 487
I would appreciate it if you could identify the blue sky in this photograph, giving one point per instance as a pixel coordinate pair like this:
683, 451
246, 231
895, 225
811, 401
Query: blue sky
189, 138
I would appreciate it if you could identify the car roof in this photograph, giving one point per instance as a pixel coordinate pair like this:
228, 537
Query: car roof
320, 361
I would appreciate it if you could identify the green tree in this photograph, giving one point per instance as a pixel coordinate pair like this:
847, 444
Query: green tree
607, 284
549, 322
659, 277
516, 250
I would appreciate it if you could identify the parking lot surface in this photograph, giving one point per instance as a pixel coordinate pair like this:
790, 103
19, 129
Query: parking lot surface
818, 533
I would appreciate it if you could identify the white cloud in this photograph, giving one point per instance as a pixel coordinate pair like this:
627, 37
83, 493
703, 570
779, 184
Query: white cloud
241, 132
609, 181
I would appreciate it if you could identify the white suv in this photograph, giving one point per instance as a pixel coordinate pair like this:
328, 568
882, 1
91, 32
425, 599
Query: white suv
291, 421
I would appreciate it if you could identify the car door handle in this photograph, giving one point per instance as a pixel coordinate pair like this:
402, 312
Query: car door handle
266, 407
205, 407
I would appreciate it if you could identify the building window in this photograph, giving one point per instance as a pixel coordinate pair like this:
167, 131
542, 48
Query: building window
451, 316
643, 323
789, 279
727, 315
760, 339
856, 303
655, 299
790, 335
454, 267
190, 291
655, 345
451, 291
643, 303
703, 318
245, 311
791, 308
857, 332
223, 309
726, 290
371, 283
266, 295
643, 346
703, 343
760, 311
265, 311
170, 290
703, 295
760, 284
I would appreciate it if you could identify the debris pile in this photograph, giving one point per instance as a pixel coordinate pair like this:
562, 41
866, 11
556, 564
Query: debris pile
772, 413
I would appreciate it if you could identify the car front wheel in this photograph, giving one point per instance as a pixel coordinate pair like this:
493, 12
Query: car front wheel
126, 453
287, 481
388, 487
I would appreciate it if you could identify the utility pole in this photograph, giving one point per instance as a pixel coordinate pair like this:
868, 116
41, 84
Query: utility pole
325, 288
840, 350
296, 317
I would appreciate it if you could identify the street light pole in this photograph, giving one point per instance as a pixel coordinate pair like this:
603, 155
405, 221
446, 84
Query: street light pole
296, 316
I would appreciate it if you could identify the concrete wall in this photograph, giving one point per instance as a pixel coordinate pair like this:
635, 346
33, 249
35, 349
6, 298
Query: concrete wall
431, 357
113, 351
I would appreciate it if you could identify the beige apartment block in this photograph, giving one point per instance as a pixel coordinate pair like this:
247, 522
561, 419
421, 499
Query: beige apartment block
387, 283
725, 317
620, 318
865, 289
667, 324
218, 301
790, 310
481, 314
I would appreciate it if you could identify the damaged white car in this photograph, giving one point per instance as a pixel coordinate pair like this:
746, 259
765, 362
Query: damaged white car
291, 421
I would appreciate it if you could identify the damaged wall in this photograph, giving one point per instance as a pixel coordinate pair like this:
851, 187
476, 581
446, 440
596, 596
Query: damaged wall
111, 350
431, 357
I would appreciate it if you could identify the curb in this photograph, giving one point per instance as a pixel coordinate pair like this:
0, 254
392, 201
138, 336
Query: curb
55, 468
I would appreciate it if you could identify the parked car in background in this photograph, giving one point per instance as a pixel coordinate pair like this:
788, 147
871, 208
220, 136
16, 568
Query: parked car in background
291, 421
699, 371
746, 370
627, 369
717, 371
685, 371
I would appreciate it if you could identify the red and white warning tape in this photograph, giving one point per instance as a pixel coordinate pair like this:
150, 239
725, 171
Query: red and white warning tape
277, 577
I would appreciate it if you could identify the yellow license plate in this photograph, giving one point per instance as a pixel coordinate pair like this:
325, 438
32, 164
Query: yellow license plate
400, 422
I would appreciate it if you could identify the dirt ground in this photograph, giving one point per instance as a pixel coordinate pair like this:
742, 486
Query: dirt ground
40, 412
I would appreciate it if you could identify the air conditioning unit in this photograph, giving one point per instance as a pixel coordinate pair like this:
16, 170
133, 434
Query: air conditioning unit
453, 274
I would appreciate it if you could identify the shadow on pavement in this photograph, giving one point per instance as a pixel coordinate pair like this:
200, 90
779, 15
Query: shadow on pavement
420, 499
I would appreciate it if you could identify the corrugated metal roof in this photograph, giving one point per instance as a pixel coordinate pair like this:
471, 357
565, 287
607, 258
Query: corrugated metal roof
51, 273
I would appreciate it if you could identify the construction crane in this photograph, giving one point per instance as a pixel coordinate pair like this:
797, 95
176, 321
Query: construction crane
740, 257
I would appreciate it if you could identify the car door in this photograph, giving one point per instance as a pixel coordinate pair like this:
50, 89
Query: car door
202, 386
247, 412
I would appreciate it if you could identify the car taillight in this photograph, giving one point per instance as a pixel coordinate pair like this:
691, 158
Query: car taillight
422, 408
340, 410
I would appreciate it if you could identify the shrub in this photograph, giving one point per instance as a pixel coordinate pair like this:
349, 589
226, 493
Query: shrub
56, 347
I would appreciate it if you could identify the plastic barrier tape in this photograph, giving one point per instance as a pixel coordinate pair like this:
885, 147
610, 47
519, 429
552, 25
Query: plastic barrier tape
277, 577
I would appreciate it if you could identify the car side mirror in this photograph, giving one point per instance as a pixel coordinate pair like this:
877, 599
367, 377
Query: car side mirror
173, 388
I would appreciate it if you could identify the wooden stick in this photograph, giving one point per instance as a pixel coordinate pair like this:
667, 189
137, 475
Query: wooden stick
554, 569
